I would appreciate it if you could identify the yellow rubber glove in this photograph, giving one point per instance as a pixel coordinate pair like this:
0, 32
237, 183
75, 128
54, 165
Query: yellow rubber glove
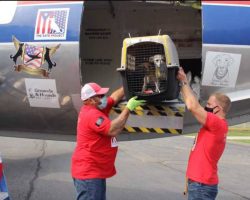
133, 103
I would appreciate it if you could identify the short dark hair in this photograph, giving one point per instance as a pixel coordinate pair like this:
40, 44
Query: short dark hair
223, 100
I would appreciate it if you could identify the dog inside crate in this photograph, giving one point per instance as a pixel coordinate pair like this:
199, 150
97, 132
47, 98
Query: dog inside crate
147, 70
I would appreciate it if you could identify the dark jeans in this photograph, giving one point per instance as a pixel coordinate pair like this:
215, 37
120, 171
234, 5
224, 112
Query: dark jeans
200, 191
90, 189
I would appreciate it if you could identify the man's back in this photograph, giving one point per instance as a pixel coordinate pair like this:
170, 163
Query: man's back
207, 150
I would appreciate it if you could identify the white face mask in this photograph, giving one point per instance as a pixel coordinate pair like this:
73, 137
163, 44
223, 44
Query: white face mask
104, 102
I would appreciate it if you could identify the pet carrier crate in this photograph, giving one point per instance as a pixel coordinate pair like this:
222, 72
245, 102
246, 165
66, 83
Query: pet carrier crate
149, 67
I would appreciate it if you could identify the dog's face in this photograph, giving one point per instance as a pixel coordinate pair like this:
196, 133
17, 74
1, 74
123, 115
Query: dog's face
157, 59
196, 79
223, 62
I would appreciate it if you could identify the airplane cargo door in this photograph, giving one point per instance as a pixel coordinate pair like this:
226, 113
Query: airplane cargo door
105, 24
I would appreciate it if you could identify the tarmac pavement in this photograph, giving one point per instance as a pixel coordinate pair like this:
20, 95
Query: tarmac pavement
152, 169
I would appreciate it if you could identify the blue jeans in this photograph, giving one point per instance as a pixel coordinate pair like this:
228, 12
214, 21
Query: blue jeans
90, 189
200, 191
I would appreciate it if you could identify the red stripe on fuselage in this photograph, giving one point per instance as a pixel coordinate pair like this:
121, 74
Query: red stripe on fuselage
42, 2
228, 2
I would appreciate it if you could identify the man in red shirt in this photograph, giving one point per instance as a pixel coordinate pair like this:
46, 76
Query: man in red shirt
95, 152
209, 143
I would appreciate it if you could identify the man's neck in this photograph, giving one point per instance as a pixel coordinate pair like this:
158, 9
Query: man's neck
221, 116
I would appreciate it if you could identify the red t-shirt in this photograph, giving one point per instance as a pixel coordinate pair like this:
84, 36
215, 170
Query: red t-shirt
207, 150
95, 151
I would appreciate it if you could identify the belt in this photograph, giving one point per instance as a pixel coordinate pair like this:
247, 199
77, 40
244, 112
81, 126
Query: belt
192, 181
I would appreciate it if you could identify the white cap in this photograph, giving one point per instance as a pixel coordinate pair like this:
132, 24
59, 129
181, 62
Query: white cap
92, 89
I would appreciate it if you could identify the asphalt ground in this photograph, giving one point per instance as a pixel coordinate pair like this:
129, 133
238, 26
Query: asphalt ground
151, 169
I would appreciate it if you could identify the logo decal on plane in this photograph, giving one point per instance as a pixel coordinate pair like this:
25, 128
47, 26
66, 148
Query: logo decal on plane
51, 24
33, 58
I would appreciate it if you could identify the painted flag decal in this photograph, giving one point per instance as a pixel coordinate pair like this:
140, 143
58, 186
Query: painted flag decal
33, 56
51, 24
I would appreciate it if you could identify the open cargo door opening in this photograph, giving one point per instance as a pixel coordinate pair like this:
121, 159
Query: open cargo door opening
105, 25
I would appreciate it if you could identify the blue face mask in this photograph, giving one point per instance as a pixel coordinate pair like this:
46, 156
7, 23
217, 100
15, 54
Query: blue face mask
104, 102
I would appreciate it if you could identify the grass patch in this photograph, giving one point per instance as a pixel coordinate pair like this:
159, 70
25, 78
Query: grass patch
240, 141
239, 133
191, 134
232, 133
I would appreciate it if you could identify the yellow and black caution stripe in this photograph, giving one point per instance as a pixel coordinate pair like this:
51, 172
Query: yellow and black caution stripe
152, 130
169, 110
139, 110
154, 110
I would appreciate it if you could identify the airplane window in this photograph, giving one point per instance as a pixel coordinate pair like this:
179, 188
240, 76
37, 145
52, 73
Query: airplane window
7, 11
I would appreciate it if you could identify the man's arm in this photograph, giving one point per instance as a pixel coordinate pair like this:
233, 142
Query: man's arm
118, 123
190, 100
117, 95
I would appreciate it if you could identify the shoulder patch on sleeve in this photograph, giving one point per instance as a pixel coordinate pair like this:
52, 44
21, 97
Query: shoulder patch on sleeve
99, 121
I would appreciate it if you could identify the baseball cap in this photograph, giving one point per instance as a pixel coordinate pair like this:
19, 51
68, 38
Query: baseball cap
92, 89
